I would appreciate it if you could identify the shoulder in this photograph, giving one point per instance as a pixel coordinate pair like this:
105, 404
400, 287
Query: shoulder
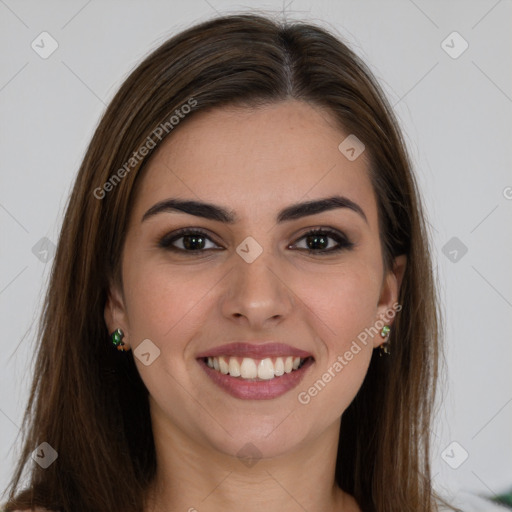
467, 502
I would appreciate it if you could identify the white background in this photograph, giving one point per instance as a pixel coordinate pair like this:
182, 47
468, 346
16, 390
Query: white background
456, 115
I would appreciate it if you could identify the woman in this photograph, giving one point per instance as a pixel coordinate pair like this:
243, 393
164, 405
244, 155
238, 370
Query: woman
246, 230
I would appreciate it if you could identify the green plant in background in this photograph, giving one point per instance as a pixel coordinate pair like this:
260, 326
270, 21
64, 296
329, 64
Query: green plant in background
504, 499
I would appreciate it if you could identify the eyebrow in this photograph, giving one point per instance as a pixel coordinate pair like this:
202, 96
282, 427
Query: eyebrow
218, 213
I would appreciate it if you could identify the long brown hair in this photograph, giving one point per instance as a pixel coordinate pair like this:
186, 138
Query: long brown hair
87, 399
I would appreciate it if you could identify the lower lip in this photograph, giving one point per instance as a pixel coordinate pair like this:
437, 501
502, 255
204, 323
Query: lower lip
257, 390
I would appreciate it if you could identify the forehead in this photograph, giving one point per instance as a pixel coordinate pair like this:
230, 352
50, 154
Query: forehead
256, 160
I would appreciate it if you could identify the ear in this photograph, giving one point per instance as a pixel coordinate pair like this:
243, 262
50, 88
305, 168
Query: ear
115, 313
388, 300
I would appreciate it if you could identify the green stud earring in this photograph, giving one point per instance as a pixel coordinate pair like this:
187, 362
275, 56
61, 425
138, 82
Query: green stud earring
385, 331
117, 339
384, 348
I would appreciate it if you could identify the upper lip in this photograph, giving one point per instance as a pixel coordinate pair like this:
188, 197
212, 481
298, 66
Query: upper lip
258, 350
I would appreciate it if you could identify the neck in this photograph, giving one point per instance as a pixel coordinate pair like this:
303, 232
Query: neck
195, 477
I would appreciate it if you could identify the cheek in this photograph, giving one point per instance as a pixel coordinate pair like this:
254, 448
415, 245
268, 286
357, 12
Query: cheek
345, 307
164, 306
161, 301
344, 301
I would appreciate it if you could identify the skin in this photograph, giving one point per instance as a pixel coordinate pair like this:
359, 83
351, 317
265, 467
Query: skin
186, 304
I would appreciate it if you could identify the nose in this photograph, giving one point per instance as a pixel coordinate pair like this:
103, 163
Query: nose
257, 294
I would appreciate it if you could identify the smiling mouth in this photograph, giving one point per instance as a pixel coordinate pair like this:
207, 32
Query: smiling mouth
247, 368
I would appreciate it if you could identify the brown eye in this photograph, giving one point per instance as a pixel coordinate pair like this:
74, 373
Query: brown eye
190, 240
318, 242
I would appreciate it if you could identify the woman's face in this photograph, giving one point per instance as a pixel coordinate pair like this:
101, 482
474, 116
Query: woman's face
251, 281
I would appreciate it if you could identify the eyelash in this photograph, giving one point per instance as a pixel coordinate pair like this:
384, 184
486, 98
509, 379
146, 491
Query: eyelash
343, 242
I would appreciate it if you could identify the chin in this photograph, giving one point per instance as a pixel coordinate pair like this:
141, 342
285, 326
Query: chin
253, 439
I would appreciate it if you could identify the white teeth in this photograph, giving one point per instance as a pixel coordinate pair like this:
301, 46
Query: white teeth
248, 369
264, 369
234, 367
223, 366
279, 367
